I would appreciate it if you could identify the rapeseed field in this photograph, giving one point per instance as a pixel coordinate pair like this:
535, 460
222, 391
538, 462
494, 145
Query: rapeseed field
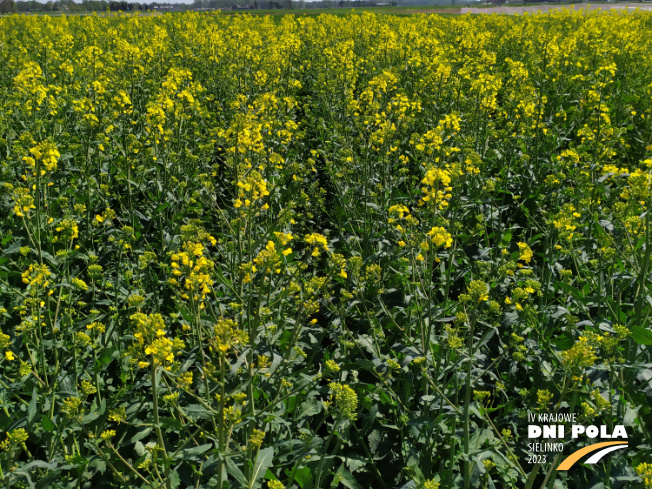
362, 251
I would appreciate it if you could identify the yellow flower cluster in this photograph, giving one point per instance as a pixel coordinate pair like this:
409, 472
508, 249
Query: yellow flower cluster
581, 355
23, 201
268, 259
46, 153
436, 190
525, 252
566, 222
37, 275
606, 169
256, 439
476, 291
153, 347
71, 406
228, 335
401, 213
106, 435
67, 229
5, 342
118, 415
346, 401
284, 239
317, 240
123, 102
16, 437
250, 190
645, 471
433, 140
597, 406
28, 83
640, 186
608, 343
79, 283
108, 214
440, 237
544, 397
193, 269
399, 210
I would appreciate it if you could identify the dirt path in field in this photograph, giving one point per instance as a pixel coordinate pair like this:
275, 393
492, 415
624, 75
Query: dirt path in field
549, 7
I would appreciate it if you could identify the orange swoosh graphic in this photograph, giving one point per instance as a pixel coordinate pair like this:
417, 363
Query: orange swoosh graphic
575, 456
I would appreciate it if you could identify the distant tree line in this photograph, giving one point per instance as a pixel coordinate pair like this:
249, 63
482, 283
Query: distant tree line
70, 6
7, 6
285, 4
63, 6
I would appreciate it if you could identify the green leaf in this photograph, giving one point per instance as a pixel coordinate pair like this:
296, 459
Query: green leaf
303, 477
563, 342
140, 435
104, 357
284, 339
53, 261
509, 318
233, 470
25, 470
31, 410
346, 478
89, 418
175, 480
198, 450
13, 248
375, 439
196, 412
309, 408
47, 423
354, 463
102, 407
98, 464
641, 335
141, 450
263, 462
631, 413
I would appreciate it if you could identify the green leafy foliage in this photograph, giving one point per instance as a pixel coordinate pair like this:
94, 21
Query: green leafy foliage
336, 251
